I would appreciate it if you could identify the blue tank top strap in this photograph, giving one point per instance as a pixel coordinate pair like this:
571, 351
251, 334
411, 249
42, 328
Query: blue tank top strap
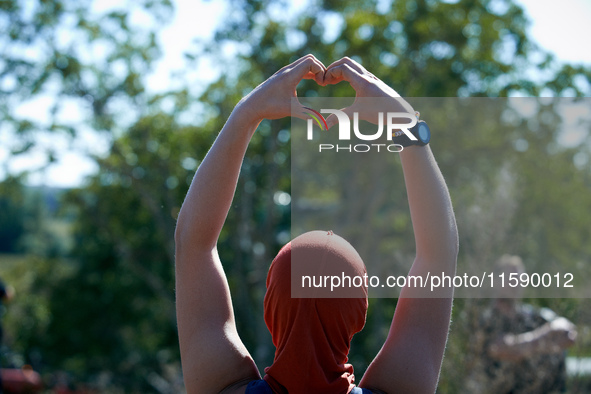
258, 387
262, 387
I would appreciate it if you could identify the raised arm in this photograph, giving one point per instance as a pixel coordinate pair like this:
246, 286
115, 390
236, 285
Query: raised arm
410, 359
553, 337
212, 355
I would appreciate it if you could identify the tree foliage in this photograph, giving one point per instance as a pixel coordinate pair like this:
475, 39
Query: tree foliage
60, 51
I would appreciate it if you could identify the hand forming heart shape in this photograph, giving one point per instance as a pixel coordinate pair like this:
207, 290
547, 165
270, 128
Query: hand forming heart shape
272, 98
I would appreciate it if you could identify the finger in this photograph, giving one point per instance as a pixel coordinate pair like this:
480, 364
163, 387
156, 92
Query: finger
298, 63
309, 68
295, 63
352, 63
343, 72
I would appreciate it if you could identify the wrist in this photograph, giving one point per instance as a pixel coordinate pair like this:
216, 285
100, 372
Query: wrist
245, 115
419, 134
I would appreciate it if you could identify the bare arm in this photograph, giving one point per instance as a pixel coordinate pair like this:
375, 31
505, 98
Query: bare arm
410, 359
416, 341
212, 355
552, 337
207, 332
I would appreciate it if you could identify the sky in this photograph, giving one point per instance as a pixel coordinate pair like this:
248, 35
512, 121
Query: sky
557, 29
560, 27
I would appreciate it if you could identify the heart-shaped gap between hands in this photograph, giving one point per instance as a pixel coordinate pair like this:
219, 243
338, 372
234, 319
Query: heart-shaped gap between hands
272, 98
365, 84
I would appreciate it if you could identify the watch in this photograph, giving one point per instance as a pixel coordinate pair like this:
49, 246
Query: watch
421, 131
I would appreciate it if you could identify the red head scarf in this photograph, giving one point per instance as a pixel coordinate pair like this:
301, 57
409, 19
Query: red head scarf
312, 335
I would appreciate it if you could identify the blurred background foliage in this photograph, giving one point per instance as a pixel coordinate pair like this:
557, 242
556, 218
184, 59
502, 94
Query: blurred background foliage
93, 266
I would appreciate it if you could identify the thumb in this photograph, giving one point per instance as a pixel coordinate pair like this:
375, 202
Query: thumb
333, 119
302, 112
299, 111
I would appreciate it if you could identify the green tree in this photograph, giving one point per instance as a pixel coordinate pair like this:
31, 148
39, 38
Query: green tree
59, 50
11, 215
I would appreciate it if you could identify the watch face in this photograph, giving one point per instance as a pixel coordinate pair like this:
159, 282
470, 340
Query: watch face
424, 132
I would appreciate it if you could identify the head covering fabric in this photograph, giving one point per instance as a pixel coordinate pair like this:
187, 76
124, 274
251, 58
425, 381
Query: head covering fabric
312, 336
